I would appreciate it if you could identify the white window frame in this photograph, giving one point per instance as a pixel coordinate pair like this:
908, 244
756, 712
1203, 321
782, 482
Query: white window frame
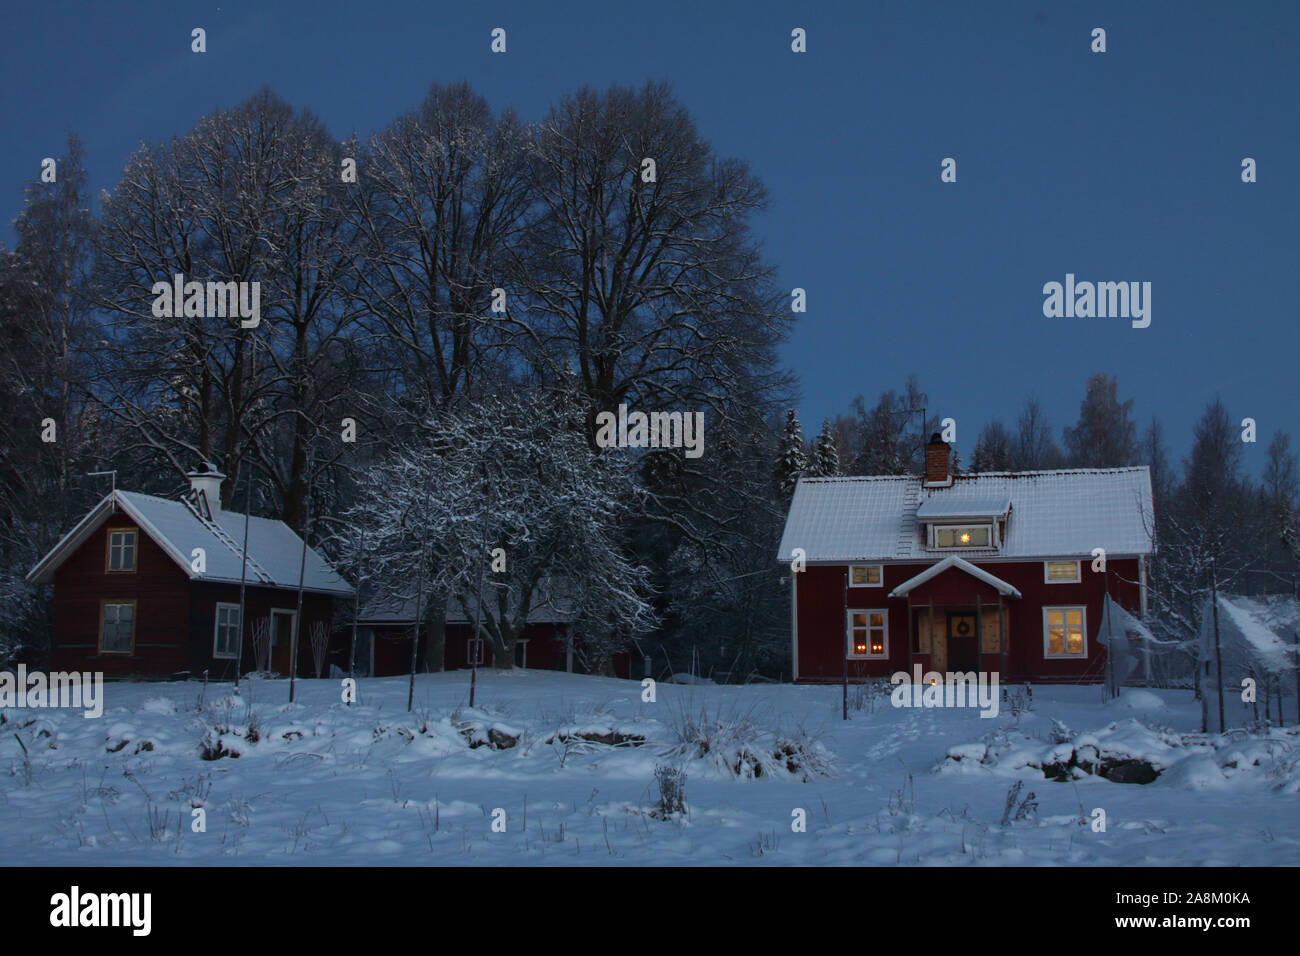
848, 632
1065, 640
131, 534
103, 623
992, 527
1047, 575
880, 576
216, 633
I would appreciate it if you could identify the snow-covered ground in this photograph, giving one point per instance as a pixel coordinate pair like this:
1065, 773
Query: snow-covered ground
324, 783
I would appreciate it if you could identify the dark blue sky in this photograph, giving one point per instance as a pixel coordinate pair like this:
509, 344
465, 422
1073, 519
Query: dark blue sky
1115, 166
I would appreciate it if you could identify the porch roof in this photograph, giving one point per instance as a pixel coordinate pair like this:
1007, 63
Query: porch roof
960, 564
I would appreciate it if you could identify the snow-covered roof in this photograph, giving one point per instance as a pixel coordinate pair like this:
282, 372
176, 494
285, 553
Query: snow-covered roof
1051, 514
939, 507
274, 550
952, 561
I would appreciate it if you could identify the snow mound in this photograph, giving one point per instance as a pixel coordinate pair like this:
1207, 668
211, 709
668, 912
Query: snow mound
1197, 772
1134, 698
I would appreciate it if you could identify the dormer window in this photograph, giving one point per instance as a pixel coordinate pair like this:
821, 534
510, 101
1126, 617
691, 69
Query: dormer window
957, 536
964, 523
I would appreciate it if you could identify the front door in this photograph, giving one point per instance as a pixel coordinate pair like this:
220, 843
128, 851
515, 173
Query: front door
963, 652
281, 638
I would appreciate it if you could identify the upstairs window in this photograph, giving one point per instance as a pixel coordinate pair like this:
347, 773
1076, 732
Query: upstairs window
1060, 572
864, 576
121, 550
955, 537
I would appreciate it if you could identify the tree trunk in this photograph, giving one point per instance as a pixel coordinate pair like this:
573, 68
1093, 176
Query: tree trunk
433, 654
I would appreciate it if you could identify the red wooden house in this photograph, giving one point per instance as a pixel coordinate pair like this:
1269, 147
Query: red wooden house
150, 586
987, 572
384, 629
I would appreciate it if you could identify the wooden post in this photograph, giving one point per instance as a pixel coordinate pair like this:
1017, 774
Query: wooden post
979, 634
845, 645
356, 608
1218, 656
932, 635
243, 554
912, 628
1002, 640
1111, 689
302, 572
415, 635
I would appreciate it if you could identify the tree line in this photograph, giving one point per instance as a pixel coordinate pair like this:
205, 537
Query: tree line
458, 262
469, 289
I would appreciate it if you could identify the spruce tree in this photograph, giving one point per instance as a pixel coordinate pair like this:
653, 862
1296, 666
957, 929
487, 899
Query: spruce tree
791, 459
826, 458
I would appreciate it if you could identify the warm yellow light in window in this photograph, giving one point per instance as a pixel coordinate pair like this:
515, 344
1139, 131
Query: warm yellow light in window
965, 537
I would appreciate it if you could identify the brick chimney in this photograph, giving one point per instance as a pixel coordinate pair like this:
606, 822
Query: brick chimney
205, 482
936, 462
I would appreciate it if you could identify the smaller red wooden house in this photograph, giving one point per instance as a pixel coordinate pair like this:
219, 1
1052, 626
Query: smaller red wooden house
384, 629
150, 586
985, 572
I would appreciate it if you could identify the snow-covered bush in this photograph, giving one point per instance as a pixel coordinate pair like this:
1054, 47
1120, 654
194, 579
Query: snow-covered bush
736, 745
672, 790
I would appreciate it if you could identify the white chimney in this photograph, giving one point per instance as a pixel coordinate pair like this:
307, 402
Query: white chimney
207, 482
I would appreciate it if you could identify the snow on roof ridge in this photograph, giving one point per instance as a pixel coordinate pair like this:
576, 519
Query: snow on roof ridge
968, 476
1058, 513
183, 504
961, 564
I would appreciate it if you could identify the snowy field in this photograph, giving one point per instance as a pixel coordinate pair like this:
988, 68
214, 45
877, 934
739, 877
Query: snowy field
321, 783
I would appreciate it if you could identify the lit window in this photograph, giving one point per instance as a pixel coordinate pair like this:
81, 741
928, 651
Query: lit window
121, 550
117, 628
225, 641
864, 576
963, 536
1064, 634
868, 634
1061, 572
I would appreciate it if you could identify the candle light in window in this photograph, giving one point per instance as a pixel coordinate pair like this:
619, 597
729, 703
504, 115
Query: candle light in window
965, 537
877, 647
